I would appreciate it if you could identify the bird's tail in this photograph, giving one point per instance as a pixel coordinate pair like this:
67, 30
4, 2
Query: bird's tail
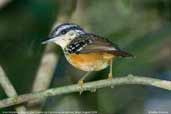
122, 53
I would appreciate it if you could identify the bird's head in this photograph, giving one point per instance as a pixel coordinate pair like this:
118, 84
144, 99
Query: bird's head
64, 33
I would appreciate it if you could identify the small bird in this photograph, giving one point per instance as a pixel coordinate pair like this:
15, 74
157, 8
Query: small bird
85, 51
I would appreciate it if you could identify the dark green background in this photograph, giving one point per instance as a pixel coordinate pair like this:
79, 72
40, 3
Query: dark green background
140, 27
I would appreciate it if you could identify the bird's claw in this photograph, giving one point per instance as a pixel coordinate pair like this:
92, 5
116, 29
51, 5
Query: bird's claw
110, 76
81, 83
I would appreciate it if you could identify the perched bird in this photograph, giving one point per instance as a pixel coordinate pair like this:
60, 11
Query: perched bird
85, 51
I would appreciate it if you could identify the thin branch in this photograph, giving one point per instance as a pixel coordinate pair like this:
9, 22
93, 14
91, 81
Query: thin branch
46, 69
91, 86
79, 16
9, 89
44, 75
49, 61
4, 3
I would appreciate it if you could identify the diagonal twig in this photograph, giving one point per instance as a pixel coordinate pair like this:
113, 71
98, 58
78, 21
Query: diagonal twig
49, 61
9, 89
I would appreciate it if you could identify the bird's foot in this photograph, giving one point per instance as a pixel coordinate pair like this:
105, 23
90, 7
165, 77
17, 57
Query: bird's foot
81, 83
110, 76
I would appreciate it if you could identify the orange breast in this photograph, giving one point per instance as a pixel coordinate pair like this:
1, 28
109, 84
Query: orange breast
90, 61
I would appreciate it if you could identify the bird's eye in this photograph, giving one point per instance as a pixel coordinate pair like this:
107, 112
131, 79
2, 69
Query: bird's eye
64, 32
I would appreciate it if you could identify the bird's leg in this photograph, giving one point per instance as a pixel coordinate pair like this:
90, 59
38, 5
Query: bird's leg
110, 69
81, 81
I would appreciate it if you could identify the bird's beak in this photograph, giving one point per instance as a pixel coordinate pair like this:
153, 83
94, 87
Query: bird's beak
46, 41
57, 40
50, 40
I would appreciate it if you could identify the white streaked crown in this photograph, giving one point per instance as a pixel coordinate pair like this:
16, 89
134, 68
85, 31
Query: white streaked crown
63, 34
64, 28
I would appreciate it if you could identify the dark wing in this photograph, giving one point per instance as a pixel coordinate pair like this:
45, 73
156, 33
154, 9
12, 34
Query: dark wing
89, 43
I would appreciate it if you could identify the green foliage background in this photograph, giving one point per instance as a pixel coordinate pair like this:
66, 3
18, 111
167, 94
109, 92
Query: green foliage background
140, 27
